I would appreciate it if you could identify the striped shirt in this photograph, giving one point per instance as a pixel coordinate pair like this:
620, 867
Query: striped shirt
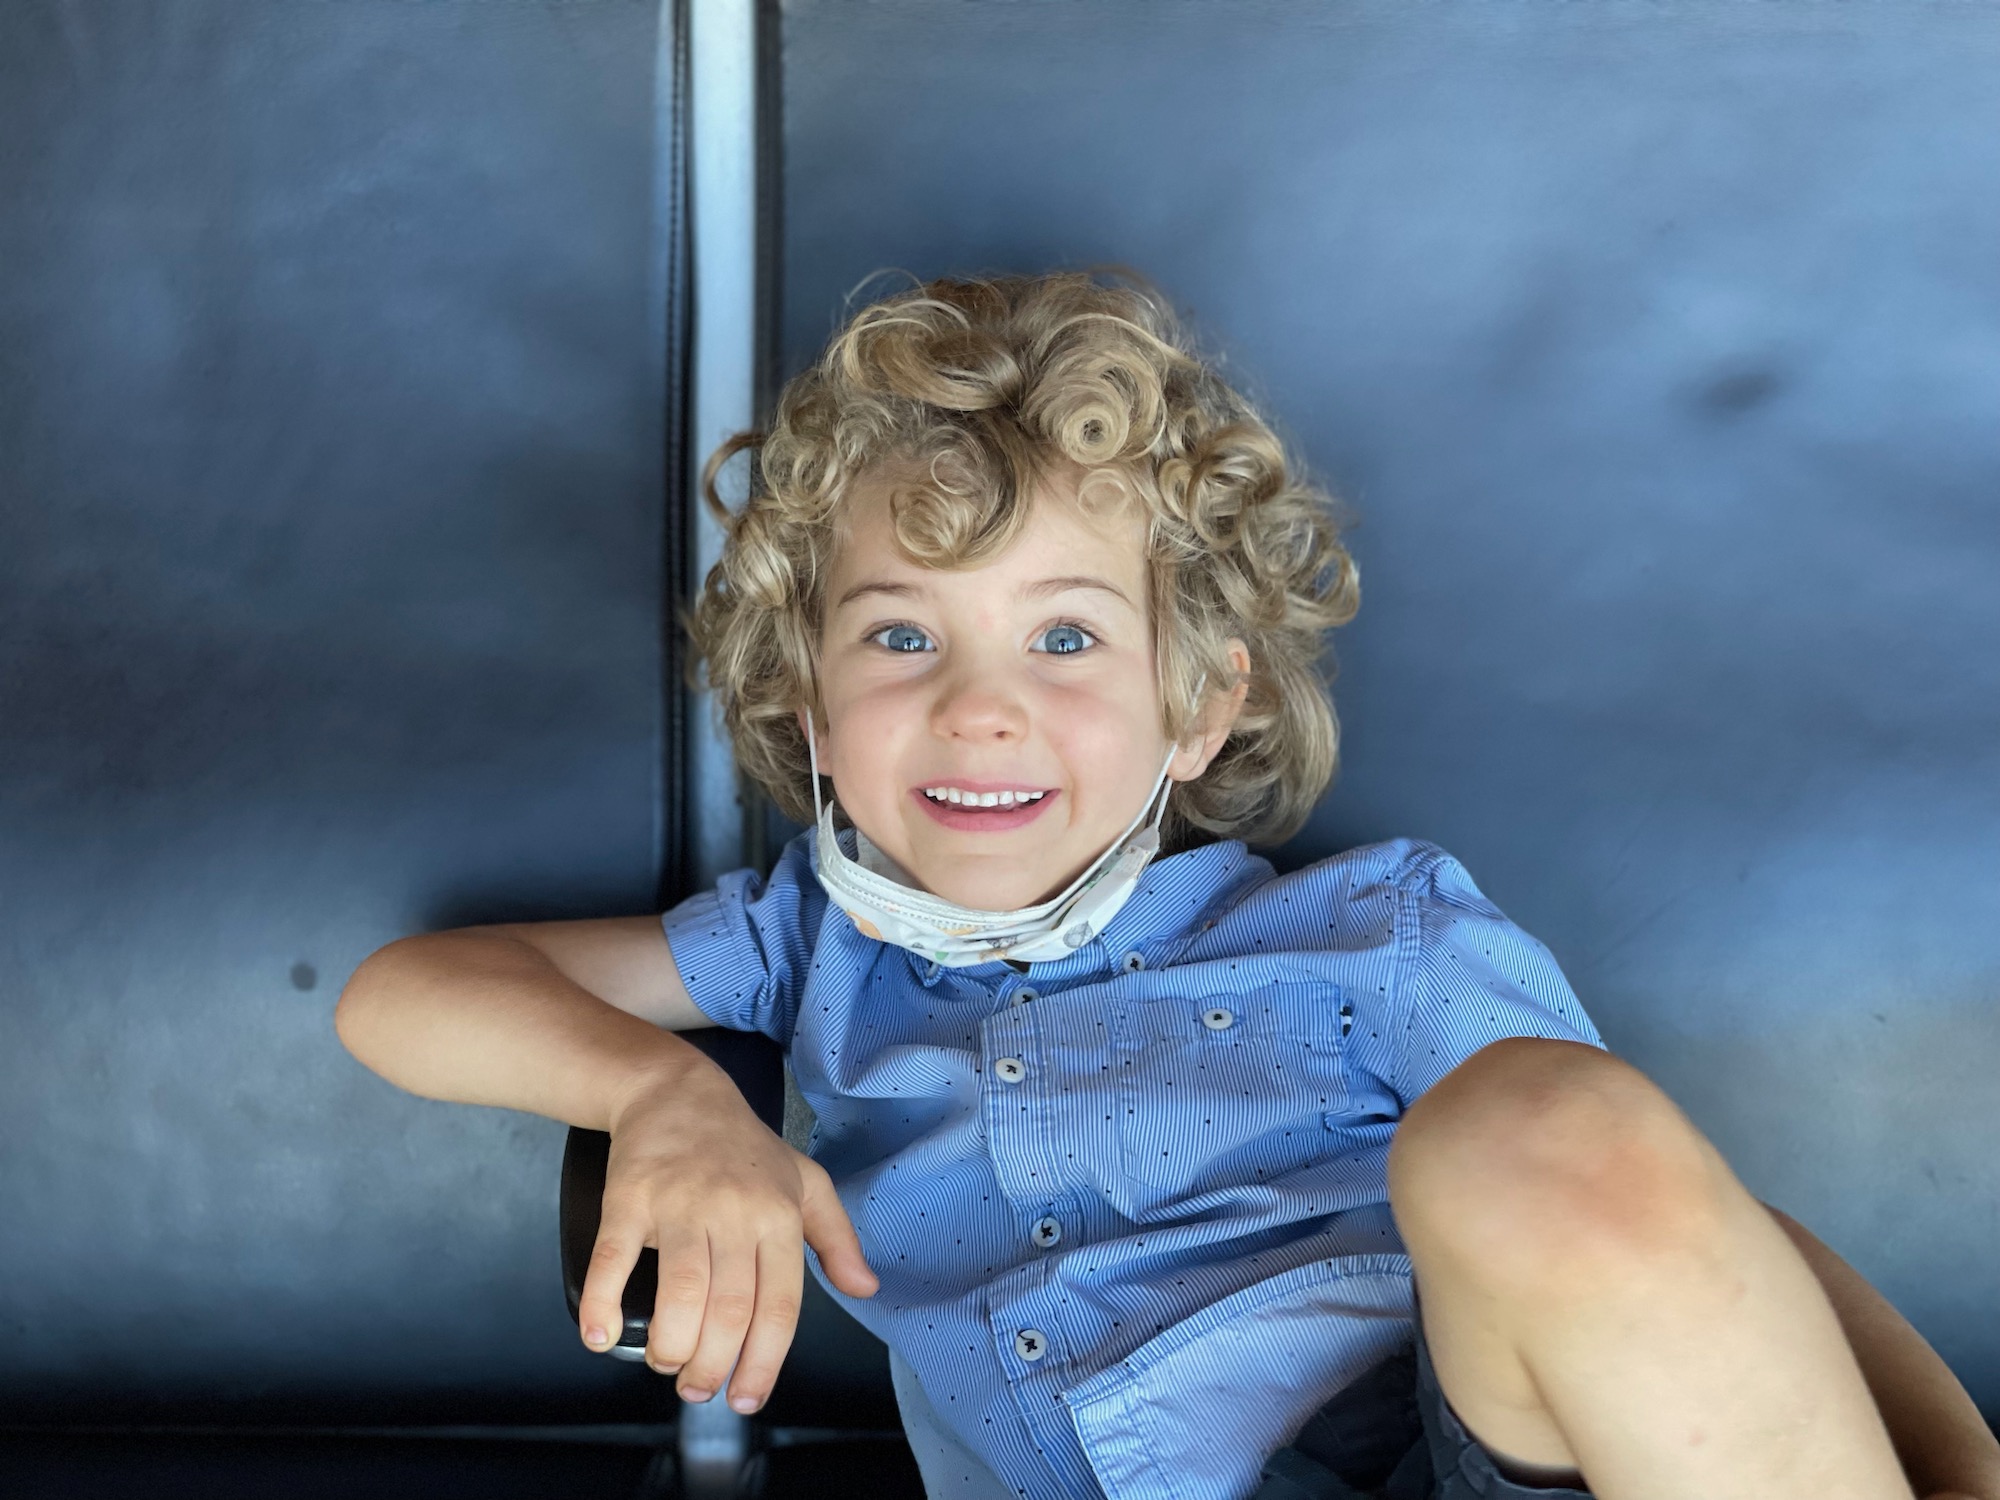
1130, 1208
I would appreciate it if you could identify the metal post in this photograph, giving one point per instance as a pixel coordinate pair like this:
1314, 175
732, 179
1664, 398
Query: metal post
722, 218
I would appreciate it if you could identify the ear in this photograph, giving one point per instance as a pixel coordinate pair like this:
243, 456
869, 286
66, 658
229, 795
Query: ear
1218, 718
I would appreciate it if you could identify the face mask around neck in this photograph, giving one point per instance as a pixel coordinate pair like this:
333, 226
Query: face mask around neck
885, 904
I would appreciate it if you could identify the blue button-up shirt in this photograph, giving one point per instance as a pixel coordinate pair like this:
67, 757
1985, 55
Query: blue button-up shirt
1130, 1208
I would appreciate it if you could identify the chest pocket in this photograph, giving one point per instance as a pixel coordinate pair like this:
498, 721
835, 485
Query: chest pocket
1229, 1090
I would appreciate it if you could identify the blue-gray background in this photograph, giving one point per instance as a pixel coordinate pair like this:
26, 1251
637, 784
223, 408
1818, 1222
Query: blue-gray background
331, 543
1657, 350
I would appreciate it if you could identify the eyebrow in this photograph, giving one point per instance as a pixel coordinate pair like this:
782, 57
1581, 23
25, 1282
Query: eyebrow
1040, 589
894, 590
1049, 586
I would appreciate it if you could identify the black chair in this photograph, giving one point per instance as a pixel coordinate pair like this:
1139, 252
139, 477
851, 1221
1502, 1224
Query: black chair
831, 1427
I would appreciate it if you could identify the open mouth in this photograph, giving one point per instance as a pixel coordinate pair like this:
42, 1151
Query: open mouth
964, 797
983, 809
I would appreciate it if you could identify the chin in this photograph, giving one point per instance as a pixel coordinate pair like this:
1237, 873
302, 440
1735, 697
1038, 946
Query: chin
982, 890
980, 895
991, 881
996, 892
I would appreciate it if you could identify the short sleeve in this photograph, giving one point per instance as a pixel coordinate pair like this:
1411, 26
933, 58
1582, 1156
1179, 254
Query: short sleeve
744, 949
1468, 977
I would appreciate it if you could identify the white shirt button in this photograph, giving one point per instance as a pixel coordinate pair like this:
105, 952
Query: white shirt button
1011, 1069
1030, 1344
1048, 1232
1023, 996
1219, 1019
1134, 961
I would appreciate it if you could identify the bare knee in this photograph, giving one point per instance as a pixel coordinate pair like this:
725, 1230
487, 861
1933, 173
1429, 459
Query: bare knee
1543, 1158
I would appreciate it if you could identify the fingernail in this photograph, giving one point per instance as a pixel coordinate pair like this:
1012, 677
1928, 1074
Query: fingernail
597, 1336
745, 1404
696, 1395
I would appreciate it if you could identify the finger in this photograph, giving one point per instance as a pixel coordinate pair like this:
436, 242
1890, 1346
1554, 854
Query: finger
600, 1309
831, 1233
781, 1282
732, 1293
683, 1293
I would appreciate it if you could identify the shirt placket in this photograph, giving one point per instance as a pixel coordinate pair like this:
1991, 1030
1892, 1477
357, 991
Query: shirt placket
1033, 1332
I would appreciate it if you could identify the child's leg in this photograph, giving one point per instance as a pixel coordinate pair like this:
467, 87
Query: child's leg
1600, 1294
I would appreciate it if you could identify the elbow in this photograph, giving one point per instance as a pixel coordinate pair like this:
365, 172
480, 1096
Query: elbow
361, 999
396, 980
347, 1009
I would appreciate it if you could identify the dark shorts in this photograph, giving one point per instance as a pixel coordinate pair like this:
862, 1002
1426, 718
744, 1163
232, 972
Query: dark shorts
1391, 1435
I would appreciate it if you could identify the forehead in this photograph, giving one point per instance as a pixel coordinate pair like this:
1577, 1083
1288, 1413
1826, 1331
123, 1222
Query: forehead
1060, 532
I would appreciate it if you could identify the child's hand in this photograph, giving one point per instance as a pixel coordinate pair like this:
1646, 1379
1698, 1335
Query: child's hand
728, 1204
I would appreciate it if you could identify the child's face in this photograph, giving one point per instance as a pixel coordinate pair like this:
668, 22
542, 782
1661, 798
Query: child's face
1030, 674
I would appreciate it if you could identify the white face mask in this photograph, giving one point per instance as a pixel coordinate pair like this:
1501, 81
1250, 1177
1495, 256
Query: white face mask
885, 904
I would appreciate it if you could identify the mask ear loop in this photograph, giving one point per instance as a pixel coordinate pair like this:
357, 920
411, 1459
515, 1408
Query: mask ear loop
812, 755
1165, 789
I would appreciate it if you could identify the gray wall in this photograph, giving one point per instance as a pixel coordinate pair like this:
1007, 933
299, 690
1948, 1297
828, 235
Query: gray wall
332, 392
1658, 350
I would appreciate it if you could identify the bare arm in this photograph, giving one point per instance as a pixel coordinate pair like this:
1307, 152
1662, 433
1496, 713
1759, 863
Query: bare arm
1945, 1446
575, 1020
563, 1019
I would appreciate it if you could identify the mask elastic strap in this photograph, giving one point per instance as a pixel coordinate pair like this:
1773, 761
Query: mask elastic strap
812, 754
1163, 787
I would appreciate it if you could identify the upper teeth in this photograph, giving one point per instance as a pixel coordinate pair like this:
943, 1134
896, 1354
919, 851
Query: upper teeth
980, 799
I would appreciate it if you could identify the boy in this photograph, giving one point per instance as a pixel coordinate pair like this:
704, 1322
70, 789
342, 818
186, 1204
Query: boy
1138, 1162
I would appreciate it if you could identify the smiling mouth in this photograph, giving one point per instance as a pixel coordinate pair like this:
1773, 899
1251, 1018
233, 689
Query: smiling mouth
966, 809
953, 796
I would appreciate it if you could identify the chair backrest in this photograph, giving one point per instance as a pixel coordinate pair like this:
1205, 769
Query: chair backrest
1653, 348
334, 590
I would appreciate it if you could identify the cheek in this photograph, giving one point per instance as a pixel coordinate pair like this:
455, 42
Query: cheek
1103, 737
868, 733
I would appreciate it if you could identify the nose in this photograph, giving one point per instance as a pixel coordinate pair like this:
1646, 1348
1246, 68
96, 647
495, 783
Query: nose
979, 710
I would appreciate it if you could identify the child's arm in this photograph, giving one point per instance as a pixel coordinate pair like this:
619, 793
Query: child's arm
1945, 1446
575, 1021
558, 1018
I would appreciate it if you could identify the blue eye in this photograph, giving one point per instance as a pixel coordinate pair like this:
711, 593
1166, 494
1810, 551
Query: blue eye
1064, 640
903, 638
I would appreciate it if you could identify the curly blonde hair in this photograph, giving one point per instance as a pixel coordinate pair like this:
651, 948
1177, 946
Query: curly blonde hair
967, 394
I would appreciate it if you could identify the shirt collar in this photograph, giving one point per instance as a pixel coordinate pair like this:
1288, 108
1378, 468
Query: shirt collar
1174, 898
